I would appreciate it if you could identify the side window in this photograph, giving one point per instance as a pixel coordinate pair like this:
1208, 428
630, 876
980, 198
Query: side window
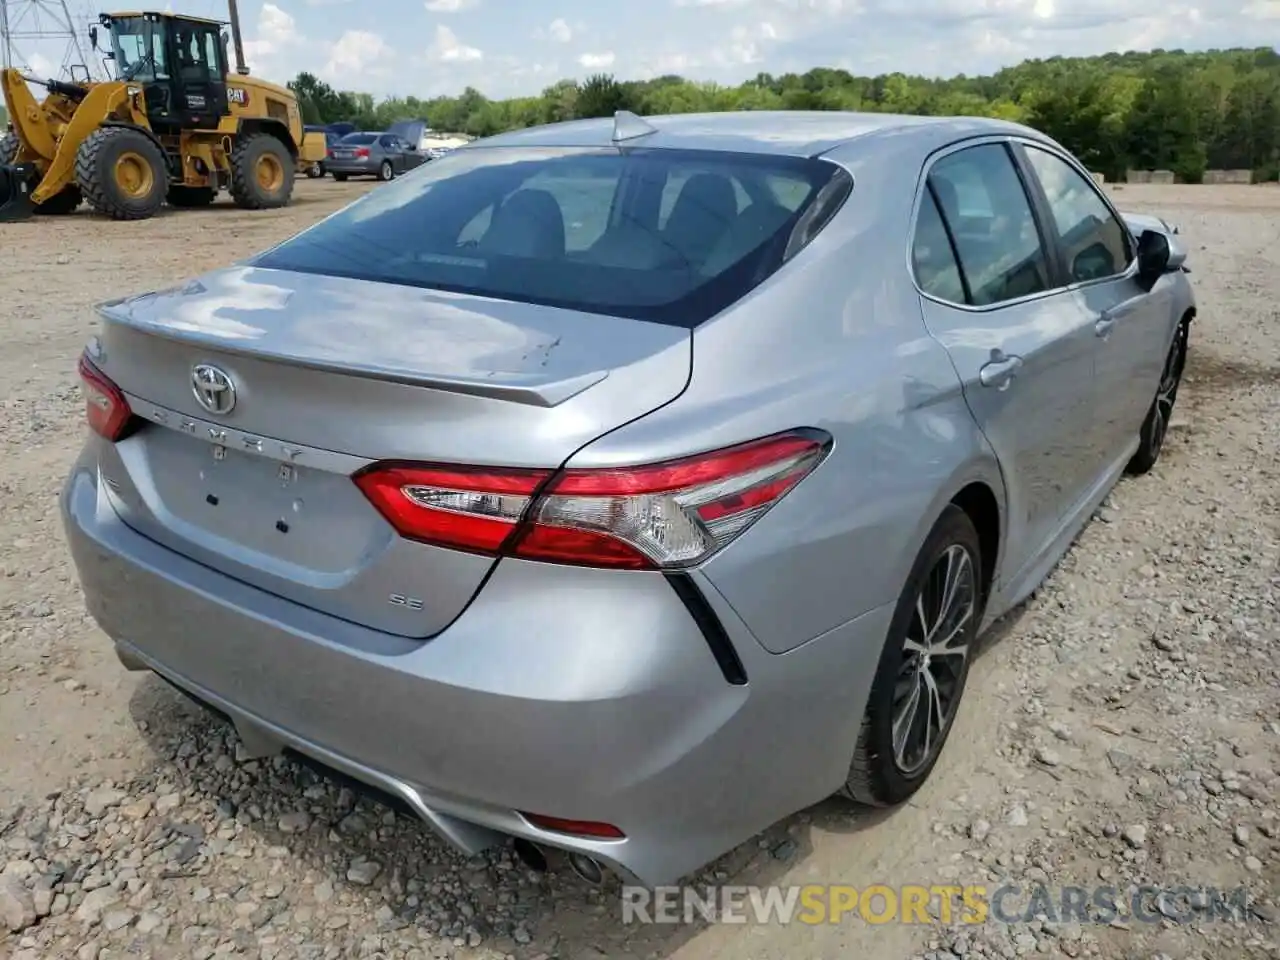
990, 217
1095, 244
935, 265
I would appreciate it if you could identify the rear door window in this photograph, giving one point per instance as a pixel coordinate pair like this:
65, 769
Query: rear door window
937, 272
666, 235
995, 233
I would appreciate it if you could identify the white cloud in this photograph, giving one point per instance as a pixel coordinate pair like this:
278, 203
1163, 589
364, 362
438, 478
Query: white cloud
274, 48
597, 61
358, 53
449, 6
449, 49
559, 31
1263, 10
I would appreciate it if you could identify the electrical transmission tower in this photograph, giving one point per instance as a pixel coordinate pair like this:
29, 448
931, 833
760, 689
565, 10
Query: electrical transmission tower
35, 34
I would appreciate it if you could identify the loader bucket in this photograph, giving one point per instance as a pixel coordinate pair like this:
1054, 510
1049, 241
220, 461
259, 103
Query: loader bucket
16, 183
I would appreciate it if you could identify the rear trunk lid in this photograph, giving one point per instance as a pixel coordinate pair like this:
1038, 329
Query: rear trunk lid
329, 374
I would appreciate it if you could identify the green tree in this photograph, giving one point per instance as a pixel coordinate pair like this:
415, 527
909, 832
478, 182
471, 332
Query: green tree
1163, 109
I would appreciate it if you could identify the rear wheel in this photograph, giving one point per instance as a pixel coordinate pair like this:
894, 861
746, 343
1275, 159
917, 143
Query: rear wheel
315, 171
184, 196
386, 171
122, 173
923, 668
262, 172
1156, 425
65, 202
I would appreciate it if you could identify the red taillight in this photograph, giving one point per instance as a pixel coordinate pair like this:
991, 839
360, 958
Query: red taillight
661, 516
328, 154
105, 407
577, 828
467, 509
362, 151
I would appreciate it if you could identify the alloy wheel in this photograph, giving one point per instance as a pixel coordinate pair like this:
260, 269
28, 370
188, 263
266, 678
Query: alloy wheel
935, 652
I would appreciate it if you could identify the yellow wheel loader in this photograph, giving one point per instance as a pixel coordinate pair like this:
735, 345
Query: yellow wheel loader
174, 125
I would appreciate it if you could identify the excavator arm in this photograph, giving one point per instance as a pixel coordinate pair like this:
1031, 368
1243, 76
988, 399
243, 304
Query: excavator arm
49, 134
30, 125
102, 102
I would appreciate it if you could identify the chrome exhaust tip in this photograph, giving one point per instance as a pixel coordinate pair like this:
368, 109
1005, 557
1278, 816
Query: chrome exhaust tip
587, 868
530, 855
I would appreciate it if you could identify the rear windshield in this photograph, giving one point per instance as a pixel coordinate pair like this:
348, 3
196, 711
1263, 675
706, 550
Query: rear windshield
359, 139
666, 235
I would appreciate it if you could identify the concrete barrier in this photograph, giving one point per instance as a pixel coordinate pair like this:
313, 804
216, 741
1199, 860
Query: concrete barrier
1099, 178
1150, 176
1228, 176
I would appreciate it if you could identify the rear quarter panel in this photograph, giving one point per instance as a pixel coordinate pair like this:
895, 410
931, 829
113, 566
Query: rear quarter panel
834, 340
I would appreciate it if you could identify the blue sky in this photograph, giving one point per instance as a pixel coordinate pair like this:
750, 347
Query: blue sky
510, 47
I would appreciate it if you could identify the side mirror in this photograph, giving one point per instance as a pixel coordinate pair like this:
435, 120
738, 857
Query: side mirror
93, 37
1153, 258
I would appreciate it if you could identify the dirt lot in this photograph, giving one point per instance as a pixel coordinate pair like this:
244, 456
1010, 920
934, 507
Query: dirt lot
1123, 728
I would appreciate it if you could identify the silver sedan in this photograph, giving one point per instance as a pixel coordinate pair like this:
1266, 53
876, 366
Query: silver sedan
624, 486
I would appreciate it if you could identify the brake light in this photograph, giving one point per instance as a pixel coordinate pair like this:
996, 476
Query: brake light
660, 516
105, 407
362, 151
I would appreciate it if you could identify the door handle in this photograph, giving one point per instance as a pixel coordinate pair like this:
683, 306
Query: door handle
1104, 324
999, 373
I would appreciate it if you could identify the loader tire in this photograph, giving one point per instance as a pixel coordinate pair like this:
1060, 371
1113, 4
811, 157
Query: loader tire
184, 196
262, 172
8, 149
66, 201
122, 173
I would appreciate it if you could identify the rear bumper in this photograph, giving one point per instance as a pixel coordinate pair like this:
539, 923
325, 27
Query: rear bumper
353, 168
589, 695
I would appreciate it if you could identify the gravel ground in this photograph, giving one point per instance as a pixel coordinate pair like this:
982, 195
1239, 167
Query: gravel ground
1122, 729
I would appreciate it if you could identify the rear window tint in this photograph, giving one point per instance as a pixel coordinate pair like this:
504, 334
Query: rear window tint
359, 139
666, 235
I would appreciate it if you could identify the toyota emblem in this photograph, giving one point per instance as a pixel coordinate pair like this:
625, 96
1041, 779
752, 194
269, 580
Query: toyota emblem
213, 389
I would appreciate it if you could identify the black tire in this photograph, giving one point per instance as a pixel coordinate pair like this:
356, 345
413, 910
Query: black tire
877, 775
315, 171
66, 202
386, 171
101, 162
181, 195
1155, 427
340, 177
8, 149
252, 187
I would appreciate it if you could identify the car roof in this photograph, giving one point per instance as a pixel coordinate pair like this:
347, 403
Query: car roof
783, 132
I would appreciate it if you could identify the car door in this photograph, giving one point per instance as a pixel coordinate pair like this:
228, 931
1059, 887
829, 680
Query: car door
991, 294
388, 151
1099, 257
413, 156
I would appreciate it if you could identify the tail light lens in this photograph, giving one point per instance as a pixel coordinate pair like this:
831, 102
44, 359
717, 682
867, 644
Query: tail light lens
659, 516
362, 152
105, 407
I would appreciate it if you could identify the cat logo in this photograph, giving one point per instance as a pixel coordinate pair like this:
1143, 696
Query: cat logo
237, 95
